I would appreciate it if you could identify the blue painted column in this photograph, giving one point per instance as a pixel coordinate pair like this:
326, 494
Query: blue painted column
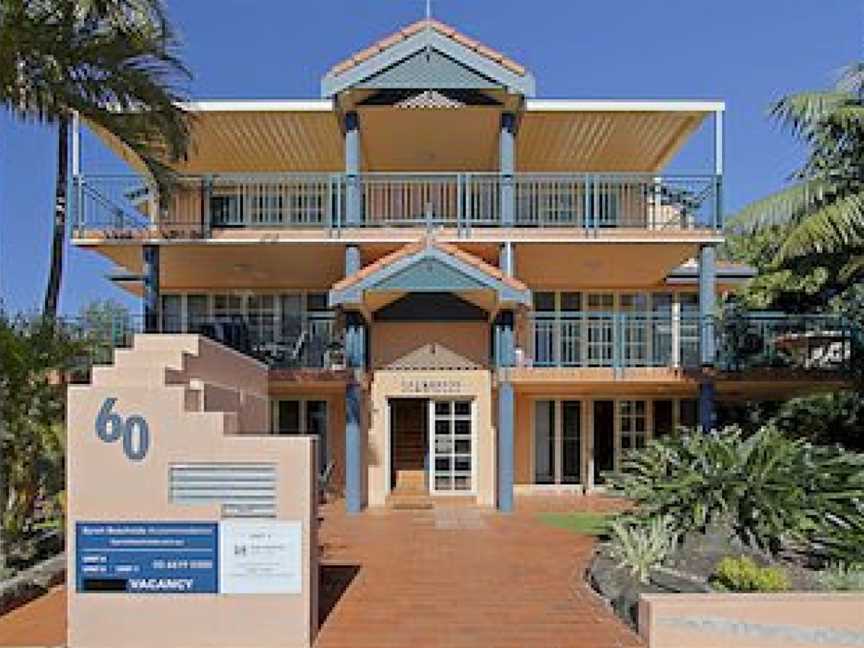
355, 344
151, 288
707, 338
507, 167
504, 347
353, 190
355, 360
507, 259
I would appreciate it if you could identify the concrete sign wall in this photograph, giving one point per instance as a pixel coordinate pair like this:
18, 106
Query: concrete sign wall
188, 525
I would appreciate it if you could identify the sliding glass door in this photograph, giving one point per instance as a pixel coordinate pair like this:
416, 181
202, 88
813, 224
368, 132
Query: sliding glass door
557, 442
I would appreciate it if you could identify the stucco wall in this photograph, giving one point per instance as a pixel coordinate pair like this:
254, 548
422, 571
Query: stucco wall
751, 620
393, 340
104, 486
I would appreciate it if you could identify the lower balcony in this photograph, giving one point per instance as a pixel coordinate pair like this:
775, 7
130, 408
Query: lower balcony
744, 342
312, 343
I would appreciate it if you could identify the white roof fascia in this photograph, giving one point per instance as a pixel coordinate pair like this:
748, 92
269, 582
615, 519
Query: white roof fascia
621, 105
260, 105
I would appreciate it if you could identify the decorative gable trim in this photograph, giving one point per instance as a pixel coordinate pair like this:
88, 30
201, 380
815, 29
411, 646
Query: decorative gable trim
384, 58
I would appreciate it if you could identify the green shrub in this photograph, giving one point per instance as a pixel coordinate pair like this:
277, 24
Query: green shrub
744, 575
771, 490
639, 548
843, 578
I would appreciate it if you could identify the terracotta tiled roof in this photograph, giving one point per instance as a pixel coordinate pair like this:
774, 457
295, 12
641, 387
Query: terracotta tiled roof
418, 246
410, 30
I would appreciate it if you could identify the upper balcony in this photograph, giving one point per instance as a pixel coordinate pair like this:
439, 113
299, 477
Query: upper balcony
579, 203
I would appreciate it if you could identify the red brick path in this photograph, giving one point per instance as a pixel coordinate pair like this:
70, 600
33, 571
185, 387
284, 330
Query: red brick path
451, 577
461, 577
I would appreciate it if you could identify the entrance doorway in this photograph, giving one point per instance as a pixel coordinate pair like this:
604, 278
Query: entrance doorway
452, 448
432, 446
409, 443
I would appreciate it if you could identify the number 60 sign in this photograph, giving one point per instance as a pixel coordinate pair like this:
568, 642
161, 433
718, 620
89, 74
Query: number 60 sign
134, 431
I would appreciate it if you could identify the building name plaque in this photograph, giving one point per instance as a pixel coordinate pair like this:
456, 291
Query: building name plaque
432, 386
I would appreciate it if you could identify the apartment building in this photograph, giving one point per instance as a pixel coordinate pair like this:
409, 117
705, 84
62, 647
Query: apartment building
463, 290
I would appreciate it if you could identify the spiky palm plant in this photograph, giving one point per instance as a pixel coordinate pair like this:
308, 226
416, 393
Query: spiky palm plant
113, 62
822, 210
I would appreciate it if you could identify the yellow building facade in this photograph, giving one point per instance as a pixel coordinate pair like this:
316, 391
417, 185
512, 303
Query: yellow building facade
463, 290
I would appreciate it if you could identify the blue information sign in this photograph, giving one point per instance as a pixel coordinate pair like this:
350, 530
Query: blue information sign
147, 557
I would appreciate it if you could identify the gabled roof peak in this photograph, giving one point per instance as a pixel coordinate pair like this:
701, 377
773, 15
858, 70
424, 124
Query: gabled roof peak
432, 25
452, 60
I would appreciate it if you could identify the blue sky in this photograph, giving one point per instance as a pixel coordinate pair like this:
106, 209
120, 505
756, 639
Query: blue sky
746, 52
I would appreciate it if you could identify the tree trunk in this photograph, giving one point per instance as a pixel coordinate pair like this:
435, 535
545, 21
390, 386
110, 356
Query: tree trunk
52, 292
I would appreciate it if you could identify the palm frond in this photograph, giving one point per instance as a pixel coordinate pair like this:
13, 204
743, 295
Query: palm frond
784, 207
832, 227
802, 112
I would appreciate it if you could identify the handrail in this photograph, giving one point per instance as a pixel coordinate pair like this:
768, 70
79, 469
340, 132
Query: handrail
590, 202
750, 340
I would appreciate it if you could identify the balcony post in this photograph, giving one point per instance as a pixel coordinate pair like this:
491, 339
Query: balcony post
355, 361
353, 190
707, 341
719, 163
151, 288
507, 259
504, 357
507, 168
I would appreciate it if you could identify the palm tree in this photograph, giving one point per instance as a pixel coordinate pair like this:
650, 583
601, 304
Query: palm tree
822, 211
112, 62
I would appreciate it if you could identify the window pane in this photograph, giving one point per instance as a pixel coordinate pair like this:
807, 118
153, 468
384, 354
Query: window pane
571, 301
571, 414
544, 301
289, 417
663, 421
172, 314
316, 302
198, 311
544, 442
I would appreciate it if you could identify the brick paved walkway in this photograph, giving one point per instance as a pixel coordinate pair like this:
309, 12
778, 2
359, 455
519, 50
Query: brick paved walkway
446, 577
462, 577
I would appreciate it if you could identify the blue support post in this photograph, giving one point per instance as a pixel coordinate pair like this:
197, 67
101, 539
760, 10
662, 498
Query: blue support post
355, 345
507, 259
505, 446
507, 166
151, 288
353, 190
707, 337
355, 360
505, 358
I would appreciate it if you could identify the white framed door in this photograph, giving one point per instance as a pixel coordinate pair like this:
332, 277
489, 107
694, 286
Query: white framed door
452, 447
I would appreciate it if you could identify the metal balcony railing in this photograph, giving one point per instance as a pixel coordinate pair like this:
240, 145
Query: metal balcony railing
124, 206
743, 342
288, 343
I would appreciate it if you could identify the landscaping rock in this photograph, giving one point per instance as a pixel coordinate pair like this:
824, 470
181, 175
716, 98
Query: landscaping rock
32, 583
699, 553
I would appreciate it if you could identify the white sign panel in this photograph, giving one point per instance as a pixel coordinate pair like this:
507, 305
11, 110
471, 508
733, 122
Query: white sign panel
258, 557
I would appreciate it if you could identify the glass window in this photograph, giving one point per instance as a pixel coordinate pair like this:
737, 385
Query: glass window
633, 424
172, 313
289, 417
316, 302
571, 301
544, 302
663, 419
544, 442
661, 344
197, 312
571, 442
689, 329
